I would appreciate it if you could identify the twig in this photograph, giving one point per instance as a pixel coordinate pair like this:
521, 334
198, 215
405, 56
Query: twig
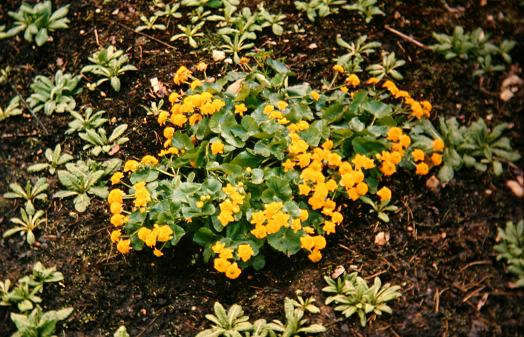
29, 108
475, 263
407, 38
146, 35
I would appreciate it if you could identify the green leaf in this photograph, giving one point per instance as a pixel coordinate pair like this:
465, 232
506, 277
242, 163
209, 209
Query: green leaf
285, 241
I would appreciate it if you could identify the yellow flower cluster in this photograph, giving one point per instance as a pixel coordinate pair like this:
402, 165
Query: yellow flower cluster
423, 162
278, 115
419, 109
223, 264
182, 75
314, 244
158, 234
273, 218
390, 159
231, 205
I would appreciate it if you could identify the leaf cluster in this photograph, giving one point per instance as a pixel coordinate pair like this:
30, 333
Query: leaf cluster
12, 109
233, 323
85, 179
353, 295
319, 8
475, 45
55, 159
366, 9
36, 21
109, 63
511, 249
55, 94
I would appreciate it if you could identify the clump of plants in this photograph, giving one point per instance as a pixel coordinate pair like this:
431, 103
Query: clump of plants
37, 21
55, 94
32, 319
251, 163
352, 295
511, 249
475, 45
109, 64
233, 322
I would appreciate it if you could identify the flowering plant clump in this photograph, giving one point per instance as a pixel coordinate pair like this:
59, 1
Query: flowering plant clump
250, 162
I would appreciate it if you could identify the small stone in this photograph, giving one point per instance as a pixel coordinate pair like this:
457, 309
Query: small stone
339, 270
382, 238
218, 55
516, 187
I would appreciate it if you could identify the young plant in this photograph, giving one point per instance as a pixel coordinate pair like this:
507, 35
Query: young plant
320, 8
150, 24
27, 223
237, 44
121, 332
511, 248
305, 304
170, 11
30, 194
352, 60
381, 208
55, 157
98, 142
12, 109
54, 95
275, 21
227, 323
387, 67
36, 21
109, 63
295, 322
155, 108
89, 120
39, 323
366, 9
189, 33
83, 180
199, 14
357, 297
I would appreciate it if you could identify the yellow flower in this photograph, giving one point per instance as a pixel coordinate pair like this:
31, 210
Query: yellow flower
388, 168
157, 252
115, 195
218, 247
217, 147
131, 166
426, 106
314, 95
181, 75
361, 161
344, 89
329, 227
337, 217
169, 132
282, 105
438, 144
268, 109
178, 120
245, 252
143, 232
422, 169
353, 80
418, 155
362, 188
221, 264
436, 159
384, 193
201, 66
225, 218
149, 160
116, 178
394, 134
195, 118
226, 253
288, 165
307, 242
404, 140
151, 238
162, 117
174, 97
232, 272
165, 233
315, 256
417, 110
115, 235
118, 220
373, 80
124, 246
240, 109
337, 68
195, 84
116, 208
304, 215
259, 232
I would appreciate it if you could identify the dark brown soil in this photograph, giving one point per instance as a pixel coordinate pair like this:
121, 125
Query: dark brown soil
441, 247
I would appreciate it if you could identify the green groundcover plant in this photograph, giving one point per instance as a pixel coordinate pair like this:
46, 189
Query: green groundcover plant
252, 163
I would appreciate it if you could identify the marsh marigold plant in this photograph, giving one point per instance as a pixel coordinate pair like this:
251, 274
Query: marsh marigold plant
249, 163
